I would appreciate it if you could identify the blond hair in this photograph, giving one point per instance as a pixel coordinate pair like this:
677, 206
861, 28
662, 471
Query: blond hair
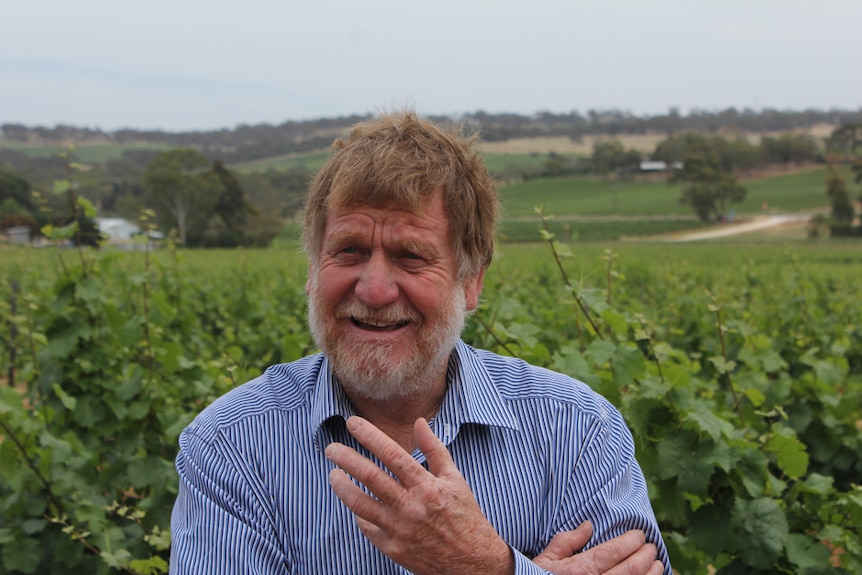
401, 160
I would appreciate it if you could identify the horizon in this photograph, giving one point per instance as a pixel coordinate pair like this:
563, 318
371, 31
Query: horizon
457, 116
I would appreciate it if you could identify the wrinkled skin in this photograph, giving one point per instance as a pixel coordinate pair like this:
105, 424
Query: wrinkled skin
429, 522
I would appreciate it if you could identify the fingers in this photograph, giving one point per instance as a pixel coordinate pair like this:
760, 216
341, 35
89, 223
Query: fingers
401, 463
618, 549
626, 554
439, 459
567, 543
641, 561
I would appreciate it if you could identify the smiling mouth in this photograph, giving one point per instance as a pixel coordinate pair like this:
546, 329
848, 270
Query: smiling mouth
374, 325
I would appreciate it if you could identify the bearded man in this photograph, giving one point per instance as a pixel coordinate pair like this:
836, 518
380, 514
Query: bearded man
399, 448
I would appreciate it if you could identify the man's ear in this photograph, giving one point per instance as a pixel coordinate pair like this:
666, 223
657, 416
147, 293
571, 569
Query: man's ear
473, 289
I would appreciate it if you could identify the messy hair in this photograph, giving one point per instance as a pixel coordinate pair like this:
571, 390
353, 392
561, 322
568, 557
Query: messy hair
400, 160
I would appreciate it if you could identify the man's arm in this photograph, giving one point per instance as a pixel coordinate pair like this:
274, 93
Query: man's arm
628, 553
217, 525
429, 521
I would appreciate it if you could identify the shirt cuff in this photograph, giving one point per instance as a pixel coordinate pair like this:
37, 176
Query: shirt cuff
524, 566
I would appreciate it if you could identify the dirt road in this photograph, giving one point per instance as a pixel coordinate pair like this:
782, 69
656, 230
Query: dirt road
730, 228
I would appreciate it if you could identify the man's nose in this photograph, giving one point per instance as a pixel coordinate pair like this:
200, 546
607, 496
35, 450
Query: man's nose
377, 287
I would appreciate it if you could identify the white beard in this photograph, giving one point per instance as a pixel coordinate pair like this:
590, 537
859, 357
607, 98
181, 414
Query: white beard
368, 369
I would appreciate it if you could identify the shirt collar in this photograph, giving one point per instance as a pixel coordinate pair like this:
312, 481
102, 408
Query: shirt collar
471, 398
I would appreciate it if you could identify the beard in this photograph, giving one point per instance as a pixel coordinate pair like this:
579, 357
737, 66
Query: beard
373, 369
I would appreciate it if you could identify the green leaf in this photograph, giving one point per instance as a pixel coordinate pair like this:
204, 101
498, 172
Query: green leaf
89, 208
721, 365
789, 453
61, 186
67, 400
546, 235
804, 551
709, 529
132, 385
683, 456
601, 351
62, 345
751, 470
759, 531
708, 422
628, 362
595, 299
755, 396
24, 556
152, 566
616, 321
117, 559
32, 526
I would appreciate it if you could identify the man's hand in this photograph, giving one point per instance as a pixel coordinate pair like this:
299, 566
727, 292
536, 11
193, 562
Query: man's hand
427, 522
628, 554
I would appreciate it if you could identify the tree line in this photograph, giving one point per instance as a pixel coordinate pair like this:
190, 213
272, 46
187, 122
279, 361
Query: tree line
201, 200
250, 142
193, 192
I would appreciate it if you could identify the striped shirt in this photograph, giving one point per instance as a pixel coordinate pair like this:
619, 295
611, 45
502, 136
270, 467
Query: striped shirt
541, 452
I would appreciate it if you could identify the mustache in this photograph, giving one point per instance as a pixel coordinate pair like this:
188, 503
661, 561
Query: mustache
395, 313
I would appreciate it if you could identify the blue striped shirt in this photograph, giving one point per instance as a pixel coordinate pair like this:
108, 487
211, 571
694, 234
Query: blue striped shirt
541, 452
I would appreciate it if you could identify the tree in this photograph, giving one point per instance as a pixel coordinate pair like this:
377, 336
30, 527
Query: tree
231, 207
612, 156
842, 208
16, 204
709, 187
16, 189
843, 213
846, 140
789, 148
183, 191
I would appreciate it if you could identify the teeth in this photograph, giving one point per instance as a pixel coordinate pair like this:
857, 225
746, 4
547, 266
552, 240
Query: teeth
380, 323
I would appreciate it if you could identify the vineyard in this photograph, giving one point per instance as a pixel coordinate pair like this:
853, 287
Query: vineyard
738, 369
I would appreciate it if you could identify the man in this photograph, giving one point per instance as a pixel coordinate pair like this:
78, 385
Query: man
400, 449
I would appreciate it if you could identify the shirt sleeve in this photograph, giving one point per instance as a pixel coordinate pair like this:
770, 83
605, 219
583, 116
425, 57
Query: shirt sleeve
608, 488
525, 566
219, 525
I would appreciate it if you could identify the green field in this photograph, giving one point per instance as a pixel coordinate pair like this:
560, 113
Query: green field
497, 163
500, 163
88, 153
737, 367
309, 162
590, 195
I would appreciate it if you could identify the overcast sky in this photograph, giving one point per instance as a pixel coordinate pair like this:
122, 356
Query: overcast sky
209, 64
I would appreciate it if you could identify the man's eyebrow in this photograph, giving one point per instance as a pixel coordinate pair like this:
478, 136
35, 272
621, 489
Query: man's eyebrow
416, 246
343, 237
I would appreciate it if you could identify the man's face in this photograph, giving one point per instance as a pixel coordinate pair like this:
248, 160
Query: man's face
385, 303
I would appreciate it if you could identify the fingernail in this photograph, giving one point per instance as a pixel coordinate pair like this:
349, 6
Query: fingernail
353, 423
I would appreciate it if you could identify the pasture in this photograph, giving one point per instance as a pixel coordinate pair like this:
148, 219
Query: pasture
95, 153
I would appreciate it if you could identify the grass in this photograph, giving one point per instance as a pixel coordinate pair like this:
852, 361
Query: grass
87, 153
824, 259
790, 192
590, 195
600, 230
498, 163
311, 161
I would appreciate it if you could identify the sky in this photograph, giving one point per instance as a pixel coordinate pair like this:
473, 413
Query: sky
179, 65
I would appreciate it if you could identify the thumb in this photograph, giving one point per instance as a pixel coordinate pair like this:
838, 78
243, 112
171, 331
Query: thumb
567, 543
